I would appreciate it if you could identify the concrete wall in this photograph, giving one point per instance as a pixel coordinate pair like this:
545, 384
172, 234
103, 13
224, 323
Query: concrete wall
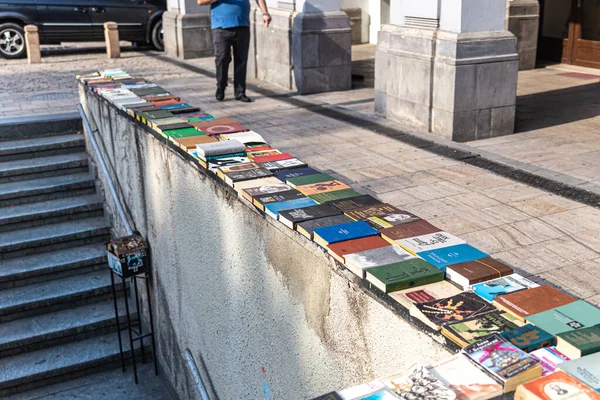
358, 11
242, 291
307, 52
523, 22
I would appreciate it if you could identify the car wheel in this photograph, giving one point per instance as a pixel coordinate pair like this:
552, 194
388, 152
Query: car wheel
12, 40
157, 36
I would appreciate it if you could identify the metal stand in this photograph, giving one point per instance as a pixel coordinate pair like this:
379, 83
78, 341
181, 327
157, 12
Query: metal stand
135, 329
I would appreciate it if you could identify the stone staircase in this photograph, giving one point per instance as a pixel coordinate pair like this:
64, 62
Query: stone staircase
56, 311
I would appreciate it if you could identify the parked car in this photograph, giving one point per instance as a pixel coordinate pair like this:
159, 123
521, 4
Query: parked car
59, 21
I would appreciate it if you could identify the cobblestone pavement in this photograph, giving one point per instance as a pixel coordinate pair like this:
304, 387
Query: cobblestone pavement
549, 238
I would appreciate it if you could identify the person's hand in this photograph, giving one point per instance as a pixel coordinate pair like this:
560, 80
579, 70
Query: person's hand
206, 2
266, 19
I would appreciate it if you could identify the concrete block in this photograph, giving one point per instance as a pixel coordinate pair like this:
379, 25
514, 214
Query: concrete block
465, 89
334, 49
503, 121
523, 22
496, 84
194, 36
32, 42
187, 36
359, 24
169, 19
309, 53
111, 37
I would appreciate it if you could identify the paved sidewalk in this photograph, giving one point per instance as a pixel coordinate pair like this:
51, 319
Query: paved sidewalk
547, 237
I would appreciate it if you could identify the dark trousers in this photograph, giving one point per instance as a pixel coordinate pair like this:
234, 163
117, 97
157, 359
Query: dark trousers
224, 40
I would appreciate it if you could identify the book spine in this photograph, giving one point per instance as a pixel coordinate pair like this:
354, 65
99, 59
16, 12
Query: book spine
212, 158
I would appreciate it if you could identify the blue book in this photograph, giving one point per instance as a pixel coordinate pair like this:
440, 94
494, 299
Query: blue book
529, 338
339, 233
445, 256
175, 106
285, 174
273, 209
586, 369
500, 286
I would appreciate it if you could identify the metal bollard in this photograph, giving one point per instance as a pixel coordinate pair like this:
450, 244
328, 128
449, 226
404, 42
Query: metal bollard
111, 36
32, 42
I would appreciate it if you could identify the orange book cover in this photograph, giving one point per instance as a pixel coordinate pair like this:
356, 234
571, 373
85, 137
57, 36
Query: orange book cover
355, 246
322, 187
525, 303
556, 386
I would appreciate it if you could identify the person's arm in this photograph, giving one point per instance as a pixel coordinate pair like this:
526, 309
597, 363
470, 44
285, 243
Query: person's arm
265, 12
206, 2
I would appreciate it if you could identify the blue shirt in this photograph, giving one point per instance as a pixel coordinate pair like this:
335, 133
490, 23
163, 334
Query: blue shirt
230, 13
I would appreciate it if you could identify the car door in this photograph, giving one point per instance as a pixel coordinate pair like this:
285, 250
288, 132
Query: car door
65, 20
130, 15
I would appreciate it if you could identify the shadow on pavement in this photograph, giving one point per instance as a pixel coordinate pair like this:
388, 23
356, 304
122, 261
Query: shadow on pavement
557, 107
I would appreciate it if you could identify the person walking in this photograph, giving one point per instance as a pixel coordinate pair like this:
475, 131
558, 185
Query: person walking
230, 23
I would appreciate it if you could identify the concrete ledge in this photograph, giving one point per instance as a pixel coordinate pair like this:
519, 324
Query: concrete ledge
231, 285
23, 127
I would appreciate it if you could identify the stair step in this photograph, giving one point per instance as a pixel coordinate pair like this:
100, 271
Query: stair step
51, 188
59, 327
43, 367
53, 237
38, 298
53, 265
50, 212
41, 147
11, 171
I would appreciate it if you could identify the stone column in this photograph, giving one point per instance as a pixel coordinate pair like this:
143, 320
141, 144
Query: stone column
187, 30
523, 22
32, 41
111, 37
307, 47
448, 67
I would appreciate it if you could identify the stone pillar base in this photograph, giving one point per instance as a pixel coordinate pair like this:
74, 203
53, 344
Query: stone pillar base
187, 35
523, 22
359, 23
307, 52
459, 85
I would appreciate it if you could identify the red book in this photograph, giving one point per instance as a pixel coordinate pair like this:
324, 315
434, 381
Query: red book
165, 102
274, 157
341, 249
259, 148
221, 129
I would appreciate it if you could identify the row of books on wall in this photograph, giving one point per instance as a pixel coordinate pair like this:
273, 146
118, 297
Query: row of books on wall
485, 370
509, 327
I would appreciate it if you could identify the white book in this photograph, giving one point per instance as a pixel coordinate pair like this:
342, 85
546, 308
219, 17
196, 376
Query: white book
465, 379
245, 137
357, 392
549, 359
430, 241
219, 148
359, 262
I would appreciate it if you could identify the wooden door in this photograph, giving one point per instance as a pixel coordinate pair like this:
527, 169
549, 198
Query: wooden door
583, 44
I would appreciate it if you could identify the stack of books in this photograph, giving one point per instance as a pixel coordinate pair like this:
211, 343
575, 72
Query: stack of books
514, 334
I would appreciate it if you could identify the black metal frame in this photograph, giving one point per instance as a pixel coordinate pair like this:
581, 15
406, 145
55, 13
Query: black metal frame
134, 334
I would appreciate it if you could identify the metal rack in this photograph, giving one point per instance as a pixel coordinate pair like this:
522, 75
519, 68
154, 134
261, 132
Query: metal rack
135, 329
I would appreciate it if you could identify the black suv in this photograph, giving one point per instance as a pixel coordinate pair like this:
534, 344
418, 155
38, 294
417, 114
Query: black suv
58, 21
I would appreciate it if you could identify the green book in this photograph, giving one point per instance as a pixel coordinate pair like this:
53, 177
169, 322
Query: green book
578, 343
404, 275
183, 133
336, 195
576, 315
309, 179
159, 114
